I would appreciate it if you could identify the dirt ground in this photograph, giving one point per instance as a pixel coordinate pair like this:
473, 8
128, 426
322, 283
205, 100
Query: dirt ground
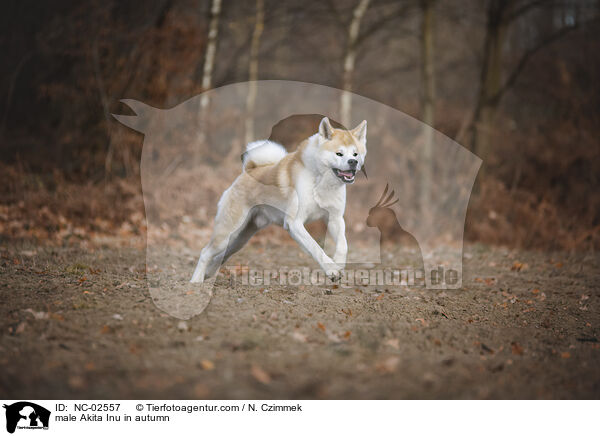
80, 323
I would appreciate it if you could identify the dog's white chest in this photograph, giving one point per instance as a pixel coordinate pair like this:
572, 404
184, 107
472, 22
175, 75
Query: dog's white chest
323, 198
328, 194
313, 210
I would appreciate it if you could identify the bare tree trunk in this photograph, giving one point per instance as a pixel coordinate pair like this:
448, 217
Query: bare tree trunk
104, 100
253, 69
501, 13
491, 78
209, 62
349, 60
427, 97
11, 88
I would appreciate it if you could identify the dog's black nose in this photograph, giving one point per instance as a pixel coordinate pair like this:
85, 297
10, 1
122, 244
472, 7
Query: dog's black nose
352, 162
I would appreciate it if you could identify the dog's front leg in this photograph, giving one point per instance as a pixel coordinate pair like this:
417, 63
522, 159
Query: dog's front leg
303, 238
336, 227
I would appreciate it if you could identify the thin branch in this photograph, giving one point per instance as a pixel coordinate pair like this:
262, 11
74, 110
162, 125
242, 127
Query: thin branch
527, 57
385, 74
104, 100
379, 25
335, 14
11, 88
524, 9
137, 53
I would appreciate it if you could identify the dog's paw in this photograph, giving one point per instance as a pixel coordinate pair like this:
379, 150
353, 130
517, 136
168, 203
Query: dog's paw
335, 277
334, 273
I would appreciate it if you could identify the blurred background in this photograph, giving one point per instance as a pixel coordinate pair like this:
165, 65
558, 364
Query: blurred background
514, 81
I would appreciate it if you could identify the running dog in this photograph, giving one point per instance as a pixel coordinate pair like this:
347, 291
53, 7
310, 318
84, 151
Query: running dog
290, 190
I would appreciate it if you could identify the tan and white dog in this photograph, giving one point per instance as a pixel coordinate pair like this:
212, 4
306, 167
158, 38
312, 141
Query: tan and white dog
289, 190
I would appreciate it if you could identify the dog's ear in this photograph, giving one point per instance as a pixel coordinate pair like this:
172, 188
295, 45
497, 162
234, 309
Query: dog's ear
325, 129
360, 131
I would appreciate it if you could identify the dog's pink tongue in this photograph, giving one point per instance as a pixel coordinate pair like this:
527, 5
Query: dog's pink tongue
346, 173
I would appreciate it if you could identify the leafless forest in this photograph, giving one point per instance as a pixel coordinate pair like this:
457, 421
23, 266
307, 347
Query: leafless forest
514, 81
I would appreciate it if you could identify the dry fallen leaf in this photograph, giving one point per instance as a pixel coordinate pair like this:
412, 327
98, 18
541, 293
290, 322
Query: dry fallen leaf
241, 269
260, 375
57, 317
321, 326
489, 281
486, 348
299, 337
207, 365
565, 355
516, 349
394, 343
201, 391
388, 365
347, 334
76, 382
518, 266
37, 315
333, 337
20, 328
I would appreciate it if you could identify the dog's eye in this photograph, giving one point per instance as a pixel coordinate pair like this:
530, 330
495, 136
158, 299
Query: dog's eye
355, 154
339, 154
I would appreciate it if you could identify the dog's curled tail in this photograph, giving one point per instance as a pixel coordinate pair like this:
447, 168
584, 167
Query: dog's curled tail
260, 153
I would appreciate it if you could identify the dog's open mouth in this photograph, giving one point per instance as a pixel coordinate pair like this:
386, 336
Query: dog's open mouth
346, 176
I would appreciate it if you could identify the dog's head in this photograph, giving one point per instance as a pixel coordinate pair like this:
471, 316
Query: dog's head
343, 151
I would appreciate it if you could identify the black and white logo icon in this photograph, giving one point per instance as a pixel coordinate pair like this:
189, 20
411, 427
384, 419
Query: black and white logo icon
26, 415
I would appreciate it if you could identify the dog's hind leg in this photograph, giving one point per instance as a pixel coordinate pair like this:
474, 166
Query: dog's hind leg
211, 257
236, 242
